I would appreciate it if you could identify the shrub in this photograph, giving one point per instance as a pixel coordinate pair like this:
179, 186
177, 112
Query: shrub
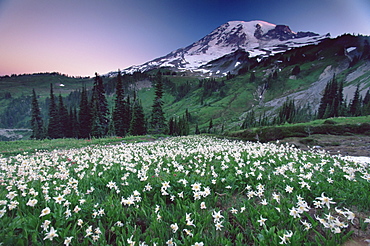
330, 122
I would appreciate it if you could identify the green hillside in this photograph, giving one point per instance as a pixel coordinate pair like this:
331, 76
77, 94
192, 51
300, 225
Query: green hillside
20, 85
262, 85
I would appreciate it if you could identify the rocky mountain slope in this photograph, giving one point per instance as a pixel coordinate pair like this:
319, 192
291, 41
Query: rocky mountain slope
256, 38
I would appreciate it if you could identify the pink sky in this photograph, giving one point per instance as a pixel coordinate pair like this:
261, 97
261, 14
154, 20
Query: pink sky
81, 37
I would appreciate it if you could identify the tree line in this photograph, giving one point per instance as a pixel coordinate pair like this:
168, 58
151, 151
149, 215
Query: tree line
332, 104
93, 118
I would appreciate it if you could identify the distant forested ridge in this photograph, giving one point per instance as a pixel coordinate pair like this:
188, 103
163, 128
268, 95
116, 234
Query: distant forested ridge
331, 79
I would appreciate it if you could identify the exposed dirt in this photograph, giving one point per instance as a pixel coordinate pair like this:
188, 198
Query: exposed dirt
357, 242
356, 145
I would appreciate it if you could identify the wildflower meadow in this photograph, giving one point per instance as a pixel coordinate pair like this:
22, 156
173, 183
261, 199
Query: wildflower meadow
193, 190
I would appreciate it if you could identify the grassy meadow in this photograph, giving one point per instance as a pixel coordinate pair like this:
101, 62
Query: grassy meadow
11, 148
194, 190
332, 126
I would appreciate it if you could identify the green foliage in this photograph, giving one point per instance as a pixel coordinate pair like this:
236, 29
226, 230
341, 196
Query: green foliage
296, 70
25, 147
287, 112
249, 121
37, 123
121, 114
54, 130
210, 126
74, 124
157, 118
331, 104
366, 104
330, 122
84, 116
210, 86
179, 126
99, 109
64, 120
355, 105
138, 122
16, 112
354, 125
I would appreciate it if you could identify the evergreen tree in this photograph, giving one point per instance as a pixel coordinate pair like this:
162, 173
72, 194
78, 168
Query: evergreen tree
100, 110
128, 113
275, 75
183, 126
64, 123
366, 50
341, 104
210, 126
138, 124
366, 104
264, 120
179, 127
171, 126
287, 112
249, 121
157, 119
188, 115
296, 70
355, 106
197, 129
120, 120
331, 103
37, 123
252, 78
84, 116
53, 126
73, 123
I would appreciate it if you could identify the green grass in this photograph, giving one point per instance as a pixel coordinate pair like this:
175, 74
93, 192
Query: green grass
335, 126
338, 120
23, 85
12, 148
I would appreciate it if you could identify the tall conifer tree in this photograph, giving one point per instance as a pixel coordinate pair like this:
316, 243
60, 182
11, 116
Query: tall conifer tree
121, 118
72, 131
84, 116
127, 114
53, 126
64, 124
138, 124
37, 123
158, 121
287, 112
210, 126
100, 110
355, 106
331, 103
366, 103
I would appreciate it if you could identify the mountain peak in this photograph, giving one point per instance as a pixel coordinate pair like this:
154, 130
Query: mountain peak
257, 38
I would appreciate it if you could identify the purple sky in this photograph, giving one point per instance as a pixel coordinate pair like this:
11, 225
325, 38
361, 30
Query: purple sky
81, 37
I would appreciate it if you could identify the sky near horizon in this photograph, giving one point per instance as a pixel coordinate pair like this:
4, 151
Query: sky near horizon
81, 37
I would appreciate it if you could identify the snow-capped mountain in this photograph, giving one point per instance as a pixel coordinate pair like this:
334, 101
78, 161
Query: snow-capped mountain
257, 38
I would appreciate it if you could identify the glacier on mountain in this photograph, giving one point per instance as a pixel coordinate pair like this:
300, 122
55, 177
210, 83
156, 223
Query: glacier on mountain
258, 38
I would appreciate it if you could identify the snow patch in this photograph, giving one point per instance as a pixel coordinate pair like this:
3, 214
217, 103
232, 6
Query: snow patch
221, 41
358, 159
350, 49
